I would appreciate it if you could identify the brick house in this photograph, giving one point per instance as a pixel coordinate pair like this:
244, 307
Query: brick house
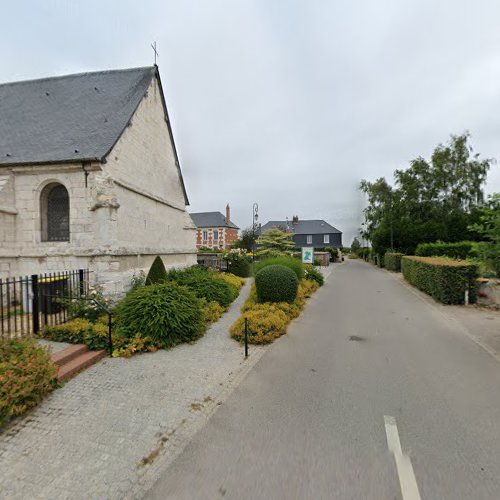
90, 177
213, 230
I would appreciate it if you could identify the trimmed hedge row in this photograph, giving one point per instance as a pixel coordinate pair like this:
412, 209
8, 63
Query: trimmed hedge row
392, 261
445, 280
461, 250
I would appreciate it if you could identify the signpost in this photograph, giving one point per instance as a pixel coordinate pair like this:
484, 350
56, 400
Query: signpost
308, 255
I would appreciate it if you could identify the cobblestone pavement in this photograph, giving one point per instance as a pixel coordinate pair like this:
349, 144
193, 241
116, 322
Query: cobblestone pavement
110, 431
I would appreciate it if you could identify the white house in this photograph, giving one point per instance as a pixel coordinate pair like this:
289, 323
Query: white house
90, 177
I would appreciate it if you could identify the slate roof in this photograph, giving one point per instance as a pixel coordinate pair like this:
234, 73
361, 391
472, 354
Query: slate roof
211, 219
72, 118
303, 226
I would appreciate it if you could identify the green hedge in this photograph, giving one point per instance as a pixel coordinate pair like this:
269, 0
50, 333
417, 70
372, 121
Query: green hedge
27, 374
392, 261
240, 268
461, 250
276, 284
294, 264
445, 280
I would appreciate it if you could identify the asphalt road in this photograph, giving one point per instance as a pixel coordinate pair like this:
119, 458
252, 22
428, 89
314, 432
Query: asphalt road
373, 393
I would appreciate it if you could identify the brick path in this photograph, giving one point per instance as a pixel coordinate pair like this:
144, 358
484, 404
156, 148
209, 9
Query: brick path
109, 432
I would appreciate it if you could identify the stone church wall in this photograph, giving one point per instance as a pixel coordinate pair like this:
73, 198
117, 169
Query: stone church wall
122, 213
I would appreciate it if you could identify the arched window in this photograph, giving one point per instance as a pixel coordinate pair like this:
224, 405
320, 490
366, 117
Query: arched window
54, 210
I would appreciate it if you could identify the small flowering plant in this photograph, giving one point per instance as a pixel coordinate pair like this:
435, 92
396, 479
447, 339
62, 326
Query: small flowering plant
235, 255
88, 306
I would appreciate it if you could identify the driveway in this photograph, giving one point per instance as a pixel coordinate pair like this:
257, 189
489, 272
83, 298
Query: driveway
374, 393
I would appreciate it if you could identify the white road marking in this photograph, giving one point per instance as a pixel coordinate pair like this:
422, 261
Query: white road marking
407, 480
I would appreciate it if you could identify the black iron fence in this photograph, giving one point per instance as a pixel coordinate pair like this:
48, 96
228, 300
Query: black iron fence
212, 260
28, 303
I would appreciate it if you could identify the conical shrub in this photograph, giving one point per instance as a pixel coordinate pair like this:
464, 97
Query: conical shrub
157, 272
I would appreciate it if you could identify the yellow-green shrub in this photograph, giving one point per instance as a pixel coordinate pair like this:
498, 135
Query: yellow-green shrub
232, 279
291, 310
26, 375
135, 345
269, 320
212, 311
266, 322
81, 331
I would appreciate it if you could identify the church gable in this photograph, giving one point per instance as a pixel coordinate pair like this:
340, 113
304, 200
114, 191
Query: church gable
144, 158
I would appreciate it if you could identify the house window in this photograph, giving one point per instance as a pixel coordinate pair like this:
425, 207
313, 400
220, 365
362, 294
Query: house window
205, 236
54, 211
326, 238
216, 234
309, 239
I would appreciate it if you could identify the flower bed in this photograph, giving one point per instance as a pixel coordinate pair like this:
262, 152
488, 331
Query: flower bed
269, 320
176, 306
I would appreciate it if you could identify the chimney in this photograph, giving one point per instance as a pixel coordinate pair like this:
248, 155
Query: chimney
228, 214
295, 219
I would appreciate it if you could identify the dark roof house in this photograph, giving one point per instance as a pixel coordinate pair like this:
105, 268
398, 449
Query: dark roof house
212, 219
316, 232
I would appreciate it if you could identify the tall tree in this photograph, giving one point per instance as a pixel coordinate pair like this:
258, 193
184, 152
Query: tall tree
489, 228
355, 245
431, 200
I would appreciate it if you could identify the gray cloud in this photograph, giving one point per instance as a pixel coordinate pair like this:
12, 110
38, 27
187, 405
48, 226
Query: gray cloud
287, 103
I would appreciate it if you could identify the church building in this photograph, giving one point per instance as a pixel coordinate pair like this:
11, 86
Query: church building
90, 178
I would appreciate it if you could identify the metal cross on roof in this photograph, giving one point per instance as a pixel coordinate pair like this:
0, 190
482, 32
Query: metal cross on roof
153, 46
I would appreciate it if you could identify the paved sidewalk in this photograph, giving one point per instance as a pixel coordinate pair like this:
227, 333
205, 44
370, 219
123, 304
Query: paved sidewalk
110, 432
481, 324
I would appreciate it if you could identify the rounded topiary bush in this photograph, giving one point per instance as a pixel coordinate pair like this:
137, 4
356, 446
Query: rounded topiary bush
167, 313
276, 284
284, 260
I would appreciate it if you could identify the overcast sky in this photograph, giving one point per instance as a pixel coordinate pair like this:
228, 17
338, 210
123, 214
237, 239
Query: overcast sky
286, 103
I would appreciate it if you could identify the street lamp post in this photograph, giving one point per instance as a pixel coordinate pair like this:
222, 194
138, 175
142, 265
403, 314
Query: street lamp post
255, 218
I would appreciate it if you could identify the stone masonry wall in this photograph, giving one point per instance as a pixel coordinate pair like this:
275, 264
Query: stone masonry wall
122, 213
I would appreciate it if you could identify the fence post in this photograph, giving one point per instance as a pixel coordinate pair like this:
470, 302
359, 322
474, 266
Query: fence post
35, 306
110, 338
81, 278
246, 337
